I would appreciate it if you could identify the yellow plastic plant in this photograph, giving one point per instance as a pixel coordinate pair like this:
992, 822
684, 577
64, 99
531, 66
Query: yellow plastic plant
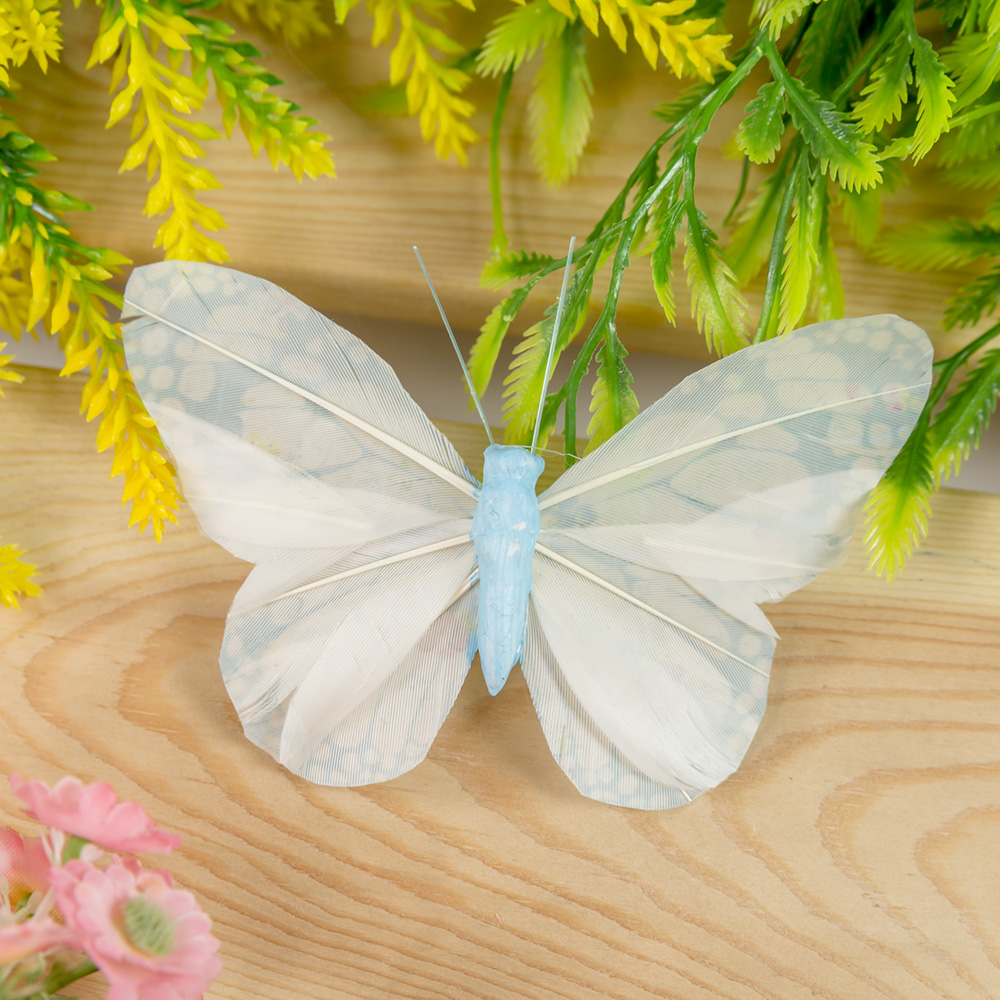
167, 58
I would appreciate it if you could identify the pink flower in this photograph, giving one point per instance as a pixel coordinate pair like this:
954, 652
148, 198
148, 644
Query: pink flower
150, 940
32, 937
93, 812
23, 864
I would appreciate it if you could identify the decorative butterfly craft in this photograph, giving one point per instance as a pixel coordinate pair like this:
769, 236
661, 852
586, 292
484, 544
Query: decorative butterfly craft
628, 590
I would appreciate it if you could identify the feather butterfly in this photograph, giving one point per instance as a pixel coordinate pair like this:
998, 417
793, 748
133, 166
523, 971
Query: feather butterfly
629, 590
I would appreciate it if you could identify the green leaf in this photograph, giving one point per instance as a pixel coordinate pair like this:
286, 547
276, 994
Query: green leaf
486, 349
833, 139
705, 8
689, 99
559, 110
31, 151
760, 132
523, 384
750, 245
897, 509
883, 99
862, 213
934, 97
661, 259
800, 252
341, 8
612, 401
381, 100
782, 12
828, 292
991, 16
717, 305
959, 427
517, 36
975, 139
928, 246
498, 270
951, 11
900, 148
976, 174
977, 299
832, 43
59, 201
975, 62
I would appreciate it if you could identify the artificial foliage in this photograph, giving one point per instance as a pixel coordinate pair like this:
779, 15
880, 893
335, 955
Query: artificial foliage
855, 92
847, 96
167, 59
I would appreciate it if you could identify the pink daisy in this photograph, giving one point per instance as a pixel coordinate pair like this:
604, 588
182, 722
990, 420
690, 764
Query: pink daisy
93, 812
151, 941
32, 937
24, 864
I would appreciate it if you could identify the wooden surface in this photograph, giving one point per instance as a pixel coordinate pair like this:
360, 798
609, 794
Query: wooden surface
343, 245
854, 855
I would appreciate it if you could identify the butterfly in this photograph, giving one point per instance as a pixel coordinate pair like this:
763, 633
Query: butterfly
381, 564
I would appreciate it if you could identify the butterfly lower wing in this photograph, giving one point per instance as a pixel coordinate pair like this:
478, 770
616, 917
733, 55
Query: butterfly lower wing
646, 694
348, 680
736, 488
299, 450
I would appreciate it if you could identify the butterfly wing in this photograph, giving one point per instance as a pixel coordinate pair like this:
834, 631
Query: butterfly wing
300, 451
647, 654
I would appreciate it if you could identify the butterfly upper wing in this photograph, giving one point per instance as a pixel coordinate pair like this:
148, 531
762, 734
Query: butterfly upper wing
739, 486
299, 450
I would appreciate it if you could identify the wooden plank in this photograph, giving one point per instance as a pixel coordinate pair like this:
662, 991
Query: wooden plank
853, 854
344, 245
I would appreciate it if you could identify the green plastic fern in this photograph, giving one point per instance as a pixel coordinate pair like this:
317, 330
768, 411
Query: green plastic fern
857, 91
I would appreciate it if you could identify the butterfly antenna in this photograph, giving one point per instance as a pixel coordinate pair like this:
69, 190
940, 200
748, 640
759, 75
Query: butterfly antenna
454, 343
552, 344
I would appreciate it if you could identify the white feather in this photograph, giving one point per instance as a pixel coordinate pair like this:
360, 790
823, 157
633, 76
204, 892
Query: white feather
299, 450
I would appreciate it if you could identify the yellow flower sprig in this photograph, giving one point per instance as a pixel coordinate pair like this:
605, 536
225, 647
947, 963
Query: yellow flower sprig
161, 95
28, 28
243, 89
109, 393
15, 577
164, 135
48, 278
298, 20
6, 375
682, 45
433, 85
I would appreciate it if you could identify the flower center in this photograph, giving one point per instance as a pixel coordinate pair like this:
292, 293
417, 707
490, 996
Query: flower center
148, 927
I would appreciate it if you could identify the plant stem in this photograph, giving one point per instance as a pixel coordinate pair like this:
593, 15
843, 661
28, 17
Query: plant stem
59, 978
970, 116
947, 367
777, 256
499, 243
740, 191
697, 122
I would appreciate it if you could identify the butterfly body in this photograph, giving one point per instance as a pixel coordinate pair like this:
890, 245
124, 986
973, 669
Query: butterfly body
504, 531
380, 562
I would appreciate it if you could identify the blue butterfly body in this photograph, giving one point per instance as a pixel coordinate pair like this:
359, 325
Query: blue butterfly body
504, 531
629, 590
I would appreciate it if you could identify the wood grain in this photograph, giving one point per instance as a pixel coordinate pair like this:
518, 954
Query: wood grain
344, 245
853, 854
